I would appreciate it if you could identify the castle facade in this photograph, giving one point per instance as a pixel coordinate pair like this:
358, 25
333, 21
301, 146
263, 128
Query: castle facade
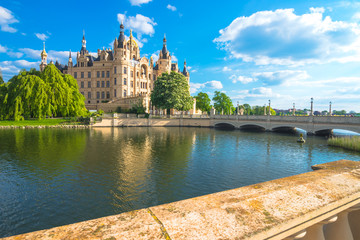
118, 76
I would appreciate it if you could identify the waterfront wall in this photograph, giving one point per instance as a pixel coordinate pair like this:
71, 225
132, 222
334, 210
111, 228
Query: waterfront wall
322, 204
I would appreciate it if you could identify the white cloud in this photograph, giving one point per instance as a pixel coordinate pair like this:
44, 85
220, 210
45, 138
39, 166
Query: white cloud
173, 58
155, 55
242, 79
139, 23
194, 87
170, 7
31, 53
279, 77
11, 68
139, 2
227, 69
41, 36
3, 49
284, 38
7, 18
356, 16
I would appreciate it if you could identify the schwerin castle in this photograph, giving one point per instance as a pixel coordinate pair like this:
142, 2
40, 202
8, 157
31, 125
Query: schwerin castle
118, 77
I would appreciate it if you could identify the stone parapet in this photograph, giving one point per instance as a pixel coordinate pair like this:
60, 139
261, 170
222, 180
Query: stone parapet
323, 204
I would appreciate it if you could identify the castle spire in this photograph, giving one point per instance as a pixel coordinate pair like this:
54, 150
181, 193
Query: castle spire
121, 38
83, 40
164, 50
185, 72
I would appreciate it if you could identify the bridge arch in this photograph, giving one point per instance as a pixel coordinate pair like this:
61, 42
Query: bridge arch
225, 125
252, 127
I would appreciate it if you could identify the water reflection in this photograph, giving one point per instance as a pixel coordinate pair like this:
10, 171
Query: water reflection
52, 177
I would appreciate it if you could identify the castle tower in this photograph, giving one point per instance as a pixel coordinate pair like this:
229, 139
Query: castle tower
164, 61
43, 63
185, 71
83, 50
70, 62
121, 39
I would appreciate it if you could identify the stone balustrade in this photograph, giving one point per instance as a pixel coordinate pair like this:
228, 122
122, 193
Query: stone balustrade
321, 204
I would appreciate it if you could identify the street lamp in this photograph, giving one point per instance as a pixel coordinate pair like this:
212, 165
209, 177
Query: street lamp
312, 107
293, 113
269, 106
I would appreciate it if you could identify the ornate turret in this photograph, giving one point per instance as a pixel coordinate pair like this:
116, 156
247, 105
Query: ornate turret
121, 38
164, 50
43, 59
83, 50
70, 62
185, 72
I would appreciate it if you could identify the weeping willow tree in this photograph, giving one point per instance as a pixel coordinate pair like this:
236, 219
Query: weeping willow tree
39, 95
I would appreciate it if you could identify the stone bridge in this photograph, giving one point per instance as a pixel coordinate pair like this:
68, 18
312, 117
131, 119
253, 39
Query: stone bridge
311, 124
319, 125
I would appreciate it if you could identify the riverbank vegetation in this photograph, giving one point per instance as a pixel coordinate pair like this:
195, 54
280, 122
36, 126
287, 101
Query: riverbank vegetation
39, 95
350, 143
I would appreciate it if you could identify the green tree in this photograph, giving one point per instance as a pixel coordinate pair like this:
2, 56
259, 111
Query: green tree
1, 78
172, 91
38, 95
203, 102
222, 102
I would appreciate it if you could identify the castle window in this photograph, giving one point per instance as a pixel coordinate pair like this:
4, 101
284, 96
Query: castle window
107, 95
102, 83
89, 84
124, 81
97, 74
97, 95
89, 95
107, 83
137, 74
103, 74
132, 93
132, 74
102, 95
75, 74
82, 74
149, 76
89, 74
124, 93
107, 74
132, 84
98, 84
125, 70
114, 92
114, 69
154, 77
82, 64
114, 81
82, 84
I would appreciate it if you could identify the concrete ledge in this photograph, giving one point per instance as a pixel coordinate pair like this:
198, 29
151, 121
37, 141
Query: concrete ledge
270, 210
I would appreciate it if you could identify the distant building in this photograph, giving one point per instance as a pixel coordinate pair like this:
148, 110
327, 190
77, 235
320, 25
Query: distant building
118, 76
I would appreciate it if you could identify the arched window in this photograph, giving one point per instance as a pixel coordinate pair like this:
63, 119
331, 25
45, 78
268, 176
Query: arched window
124, 93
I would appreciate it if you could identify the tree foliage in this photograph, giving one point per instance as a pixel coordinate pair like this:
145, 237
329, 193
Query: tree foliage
38, 95
172, 91
203, 102
222, 102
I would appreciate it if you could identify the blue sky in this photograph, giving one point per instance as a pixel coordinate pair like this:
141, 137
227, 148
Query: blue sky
287, 51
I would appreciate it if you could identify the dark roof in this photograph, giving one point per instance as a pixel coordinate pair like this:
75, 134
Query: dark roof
83, 51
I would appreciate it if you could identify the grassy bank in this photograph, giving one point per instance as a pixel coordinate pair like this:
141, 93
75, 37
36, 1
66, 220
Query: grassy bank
43, 122
351, 143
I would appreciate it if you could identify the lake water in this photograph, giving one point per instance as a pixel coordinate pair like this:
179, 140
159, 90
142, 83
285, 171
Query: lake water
53, 177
